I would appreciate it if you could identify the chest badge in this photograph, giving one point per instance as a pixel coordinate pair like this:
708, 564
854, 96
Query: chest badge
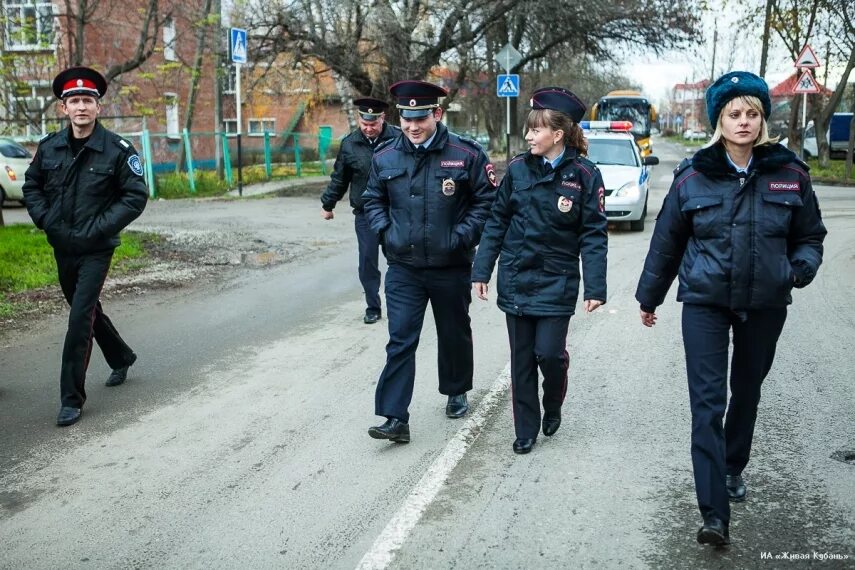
564, 204
448, 187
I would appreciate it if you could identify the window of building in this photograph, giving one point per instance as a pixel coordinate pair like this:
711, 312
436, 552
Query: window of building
29, 25
230, 126
256, 127
169, 40
172, 128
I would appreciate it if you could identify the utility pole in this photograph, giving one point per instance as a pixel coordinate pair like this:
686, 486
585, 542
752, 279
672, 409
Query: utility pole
218, 86
714, 45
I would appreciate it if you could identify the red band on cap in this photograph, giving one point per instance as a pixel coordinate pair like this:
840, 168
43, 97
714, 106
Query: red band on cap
79, 84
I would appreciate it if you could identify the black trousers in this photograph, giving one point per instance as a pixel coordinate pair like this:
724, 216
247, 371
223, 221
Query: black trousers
537, 342
718, 451
81, 278
408, 291
369, 256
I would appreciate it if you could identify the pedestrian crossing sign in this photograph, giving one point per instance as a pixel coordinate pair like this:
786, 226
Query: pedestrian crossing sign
238, 45
508, 85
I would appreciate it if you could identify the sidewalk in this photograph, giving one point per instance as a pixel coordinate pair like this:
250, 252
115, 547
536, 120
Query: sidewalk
273, 186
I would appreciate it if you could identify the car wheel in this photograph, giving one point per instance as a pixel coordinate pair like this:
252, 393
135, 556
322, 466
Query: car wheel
638, 225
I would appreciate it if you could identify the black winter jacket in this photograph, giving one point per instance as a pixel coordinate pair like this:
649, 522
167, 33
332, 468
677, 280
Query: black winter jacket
83, 202
736, 241
352, 166
540, 224
430, 209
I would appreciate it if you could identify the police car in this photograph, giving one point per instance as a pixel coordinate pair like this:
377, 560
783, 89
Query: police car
625, 173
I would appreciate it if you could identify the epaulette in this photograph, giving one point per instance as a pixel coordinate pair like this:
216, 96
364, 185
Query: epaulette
803, 164
47, 136
471, 142
123, 144
684, 164
383, 144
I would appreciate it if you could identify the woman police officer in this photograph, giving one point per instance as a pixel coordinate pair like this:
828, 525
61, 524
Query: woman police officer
740, 227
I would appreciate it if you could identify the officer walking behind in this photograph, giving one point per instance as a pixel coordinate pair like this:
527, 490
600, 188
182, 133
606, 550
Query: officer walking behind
351, 169
741, 227
548, 211
83, 187
428, 196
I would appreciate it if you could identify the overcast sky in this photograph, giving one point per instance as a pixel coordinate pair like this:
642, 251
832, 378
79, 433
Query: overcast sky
738, 49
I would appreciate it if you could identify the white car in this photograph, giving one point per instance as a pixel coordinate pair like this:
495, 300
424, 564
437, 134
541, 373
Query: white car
14, 160
625, 173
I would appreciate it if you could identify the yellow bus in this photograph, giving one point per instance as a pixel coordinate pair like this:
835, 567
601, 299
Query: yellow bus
630, 106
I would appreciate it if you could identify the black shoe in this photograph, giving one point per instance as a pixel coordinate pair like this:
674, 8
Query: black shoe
457, 406
735, 488
371, 317
68, 415
551, 422
119, 375
523, 445
714, 532
393, 430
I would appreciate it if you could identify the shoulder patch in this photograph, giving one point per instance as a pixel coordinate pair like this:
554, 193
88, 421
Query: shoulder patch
135, 165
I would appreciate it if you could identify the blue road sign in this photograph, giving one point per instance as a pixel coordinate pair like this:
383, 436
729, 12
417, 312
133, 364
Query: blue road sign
238, 45
508, 85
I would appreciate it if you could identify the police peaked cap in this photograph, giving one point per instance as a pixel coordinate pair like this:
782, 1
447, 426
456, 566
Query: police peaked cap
369, 108
732, 85
558, 99
416, 99
79, 81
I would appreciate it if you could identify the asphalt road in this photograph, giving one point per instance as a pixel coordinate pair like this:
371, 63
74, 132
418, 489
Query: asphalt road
240, 438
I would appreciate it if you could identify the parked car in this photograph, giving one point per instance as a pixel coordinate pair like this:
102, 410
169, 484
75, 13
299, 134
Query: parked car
626, 174
837, 137
692, 135
14, 160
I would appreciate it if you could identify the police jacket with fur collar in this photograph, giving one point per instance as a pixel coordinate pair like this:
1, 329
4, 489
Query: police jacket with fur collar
540, 225
82, 202
352, 166
737, 241
429, 207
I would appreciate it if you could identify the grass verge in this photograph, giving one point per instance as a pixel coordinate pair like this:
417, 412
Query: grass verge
27, 262
174, 186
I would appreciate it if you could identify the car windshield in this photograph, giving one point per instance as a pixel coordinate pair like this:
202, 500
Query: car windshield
612, 151
621, 109
11, 149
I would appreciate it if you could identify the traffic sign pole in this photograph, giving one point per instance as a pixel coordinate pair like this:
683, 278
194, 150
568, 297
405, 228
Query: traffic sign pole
239, 130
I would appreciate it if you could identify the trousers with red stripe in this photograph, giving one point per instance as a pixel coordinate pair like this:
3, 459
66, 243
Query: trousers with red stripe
81, 278
537, 342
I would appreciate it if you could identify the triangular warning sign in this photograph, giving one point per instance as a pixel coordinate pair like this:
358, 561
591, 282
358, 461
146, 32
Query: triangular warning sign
806, 83
807, 58
508, 87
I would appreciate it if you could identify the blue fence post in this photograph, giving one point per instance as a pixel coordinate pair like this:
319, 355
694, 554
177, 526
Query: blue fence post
227, 160
188, 160
148, 159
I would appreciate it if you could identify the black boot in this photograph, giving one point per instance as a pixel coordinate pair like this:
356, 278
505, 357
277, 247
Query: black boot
393, 430
68, 415
457, 406
551, 422
735, 488
714, 532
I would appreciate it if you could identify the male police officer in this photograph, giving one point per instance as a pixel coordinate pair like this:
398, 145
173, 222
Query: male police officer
428, 196
83, 187
351, 169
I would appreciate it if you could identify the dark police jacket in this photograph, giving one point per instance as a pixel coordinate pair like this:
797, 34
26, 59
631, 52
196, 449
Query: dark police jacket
352, 166
83, 202
430, 210
736, 241
540, 225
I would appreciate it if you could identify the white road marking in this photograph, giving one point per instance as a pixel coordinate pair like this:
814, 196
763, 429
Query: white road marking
393, 536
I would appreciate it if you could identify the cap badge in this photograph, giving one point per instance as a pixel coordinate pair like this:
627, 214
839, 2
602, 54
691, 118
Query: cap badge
735, 79
564, 204
448, 187
412, 102
80, 83
370, 110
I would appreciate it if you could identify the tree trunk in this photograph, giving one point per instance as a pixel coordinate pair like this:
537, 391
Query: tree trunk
767, 22
794, 131
196, 75
849, 150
